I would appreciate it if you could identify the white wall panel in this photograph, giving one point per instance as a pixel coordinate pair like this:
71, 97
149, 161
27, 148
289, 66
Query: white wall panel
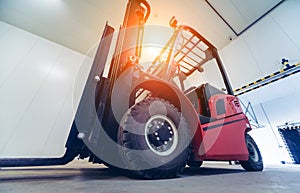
68, 72
284, 109
240, 64
269, 44
15, 44
288, 17
37, 96
21, 88
3, 29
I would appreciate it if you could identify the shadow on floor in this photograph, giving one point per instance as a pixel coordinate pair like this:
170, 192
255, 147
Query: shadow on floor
59, 174
85, 174
206, 171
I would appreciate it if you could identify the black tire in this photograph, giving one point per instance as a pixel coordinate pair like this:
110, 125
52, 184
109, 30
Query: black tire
255, 161
193, 163
156, 139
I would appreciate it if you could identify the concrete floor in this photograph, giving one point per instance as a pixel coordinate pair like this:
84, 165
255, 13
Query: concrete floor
79, 176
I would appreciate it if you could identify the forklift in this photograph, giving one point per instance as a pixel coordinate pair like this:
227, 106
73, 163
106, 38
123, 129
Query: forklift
150, 121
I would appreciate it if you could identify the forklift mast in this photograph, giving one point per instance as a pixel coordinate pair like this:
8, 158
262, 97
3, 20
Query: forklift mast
129, 43
96, 97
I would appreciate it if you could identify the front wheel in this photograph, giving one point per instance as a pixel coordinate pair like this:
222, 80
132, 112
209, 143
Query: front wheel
255, 161
155, 139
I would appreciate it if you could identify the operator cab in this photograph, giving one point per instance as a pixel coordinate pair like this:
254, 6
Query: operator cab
192, 63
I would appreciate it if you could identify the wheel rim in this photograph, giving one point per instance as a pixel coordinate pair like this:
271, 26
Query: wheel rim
161, 135
253, 154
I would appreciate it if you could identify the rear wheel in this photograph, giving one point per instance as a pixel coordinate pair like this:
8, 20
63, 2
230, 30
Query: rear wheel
192, 163
254, 162
155, 139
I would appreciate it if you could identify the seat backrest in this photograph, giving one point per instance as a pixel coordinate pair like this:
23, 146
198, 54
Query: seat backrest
206, 91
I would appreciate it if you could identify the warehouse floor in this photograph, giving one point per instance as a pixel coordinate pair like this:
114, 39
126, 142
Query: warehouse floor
82, 177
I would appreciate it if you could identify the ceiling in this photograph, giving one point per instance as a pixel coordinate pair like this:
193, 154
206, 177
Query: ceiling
78, 24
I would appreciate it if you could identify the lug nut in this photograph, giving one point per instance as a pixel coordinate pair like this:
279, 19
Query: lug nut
97, 78
80, 135
157, 138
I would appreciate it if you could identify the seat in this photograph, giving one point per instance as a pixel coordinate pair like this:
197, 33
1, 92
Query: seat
205, 92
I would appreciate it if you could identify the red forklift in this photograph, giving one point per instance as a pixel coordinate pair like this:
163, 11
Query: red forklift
149, 120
